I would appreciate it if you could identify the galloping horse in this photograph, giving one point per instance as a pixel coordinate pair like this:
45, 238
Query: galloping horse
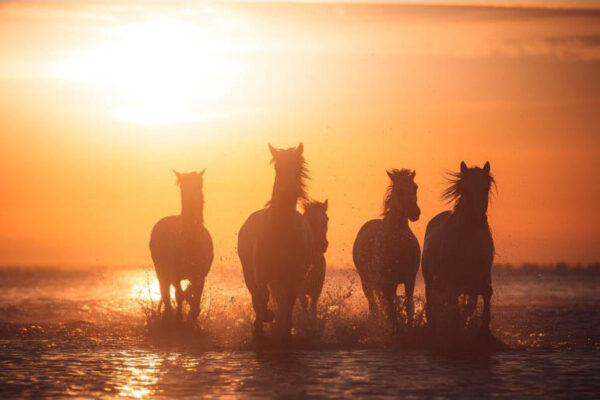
275, 245
386, 252
182, 248
458, 250
316, 214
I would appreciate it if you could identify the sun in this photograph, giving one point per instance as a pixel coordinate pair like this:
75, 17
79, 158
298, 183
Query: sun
162, 71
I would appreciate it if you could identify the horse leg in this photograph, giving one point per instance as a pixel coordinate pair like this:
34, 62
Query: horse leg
285, 302
368, 290
486, 317
470, 306
409, 303
453, 310
260, 301
389, 300
304, 297
318, 287
197, 285
314, 299
429, 303
179, 298
165, 294
250, 280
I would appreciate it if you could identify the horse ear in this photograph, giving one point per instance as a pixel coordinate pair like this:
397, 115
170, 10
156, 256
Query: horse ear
326, 203
273, 150
177, 174
414, 173
463, 167
300, 149
389, 174
486, 167
202, 172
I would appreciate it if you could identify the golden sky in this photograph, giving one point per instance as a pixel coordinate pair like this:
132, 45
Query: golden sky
98, 101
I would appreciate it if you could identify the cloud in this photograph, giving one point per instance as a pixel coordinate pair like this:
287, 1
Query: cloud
564, 47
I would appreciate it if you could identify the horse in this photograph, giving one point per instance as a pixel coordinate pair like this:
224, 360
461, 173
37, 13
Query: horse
182, 248
458, 250
315, 213
275, 245
386, 252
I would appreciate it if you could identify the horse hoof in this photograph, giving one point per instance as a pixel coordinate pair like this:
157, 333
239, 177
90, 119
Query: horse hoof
269, 316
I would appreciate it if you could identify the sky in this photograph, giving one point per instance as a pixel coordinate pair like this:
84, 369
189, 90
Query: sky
98, 101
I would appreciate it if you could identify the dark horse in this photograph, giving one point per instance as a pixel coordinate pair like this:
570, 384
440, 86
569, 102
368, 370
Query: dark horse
386, 252
182, 248
275, 245
315, 213
458, 250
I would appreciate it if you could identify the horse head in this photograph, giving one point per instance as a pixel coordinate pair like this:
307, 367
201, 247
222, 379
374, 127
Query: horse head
316, 214
401, 197
192, 197
470, 188
290, 173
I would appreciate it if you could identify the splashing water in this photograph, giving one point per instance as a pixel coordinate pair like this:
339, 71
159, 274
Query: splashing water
97, 333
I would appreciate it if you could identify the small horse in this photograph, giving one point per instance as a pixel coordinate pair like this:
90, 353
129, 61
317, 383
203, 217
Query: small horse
275, 245
458, 251
386, 252
182, 248
316, 214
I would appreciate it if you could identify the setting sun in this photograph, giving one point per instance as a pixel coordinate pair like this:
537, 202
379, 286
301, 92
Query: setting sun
164, 71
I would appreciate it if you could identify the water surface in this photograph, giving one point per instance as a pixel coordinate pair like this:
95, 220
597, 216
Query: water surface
85, 333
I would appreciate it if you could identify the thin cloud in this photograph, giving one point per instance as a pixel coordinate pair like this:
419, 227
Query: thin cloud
141, 117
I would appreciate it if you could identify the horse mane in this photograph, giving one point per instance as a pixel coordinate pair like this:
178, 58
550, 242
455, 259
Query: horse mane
387, 200
303, 197
196, 208
453, 192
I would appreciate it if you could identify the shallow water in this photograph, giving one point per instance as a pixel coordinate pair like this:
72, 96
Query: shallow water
92, 333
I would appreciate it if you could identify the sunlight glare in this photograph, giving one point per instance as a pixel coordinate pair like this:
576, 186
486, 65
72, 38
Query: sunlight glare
165, 71
147, 291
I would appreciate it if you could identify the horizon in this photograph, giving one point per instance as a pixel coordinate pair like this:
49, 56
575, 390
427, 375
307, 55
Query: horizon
108, 98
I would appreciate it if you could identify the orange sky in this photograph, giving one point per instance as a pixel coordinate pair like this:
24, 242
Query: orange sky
99, 101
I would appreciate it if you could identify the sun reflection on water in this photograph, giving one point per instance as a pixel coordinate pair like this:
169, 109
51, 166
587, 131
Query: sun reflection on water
150, 290
140, 380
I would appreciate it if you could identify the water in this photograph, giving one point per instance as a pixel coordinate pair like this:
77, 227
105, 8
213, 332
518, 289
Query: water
92, 333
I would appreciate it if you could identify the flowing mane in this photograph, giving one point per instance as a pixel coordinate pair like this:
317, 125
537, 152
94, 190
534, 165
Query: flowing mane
454, 192
302, 177
387, 200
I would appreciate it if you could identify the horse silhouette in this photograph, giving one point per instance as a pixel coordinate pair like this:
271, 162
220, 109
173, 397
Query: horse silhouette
275, 245
182, 248
458, 250
316, 214
386, 252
